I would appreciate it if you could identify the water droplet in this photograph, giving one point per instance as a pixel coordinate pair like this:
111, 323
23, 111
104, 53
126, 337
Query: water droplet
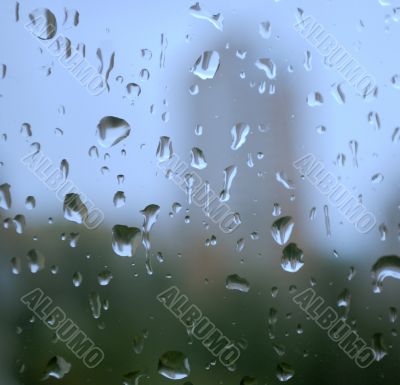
5, 196
377, 178
241, 54
206, 65
392, 314
93, 152
268, 66
43, 23
112, 130
200, 12
281, 230
194, 89
284, 372
133, 378
282, 178
374, 120
74, 209
239, 134
26, 130
19, 223
150, 214
229, 175
64, 168
144, 74
125, 240
315, 99
174, 365
292, 258
353, 144
327, 221
164, 149
378, 346
386, 266
95, 304
382, 231
57, 368
197, 159
235, 282
15, 265
36, 260
133, 90
307, 61
71, 18
313, 213
119, 199
276, 210
396, 81
341, 160
279, 349
77, 279
104, 277
352, 273
264, 29
337, 93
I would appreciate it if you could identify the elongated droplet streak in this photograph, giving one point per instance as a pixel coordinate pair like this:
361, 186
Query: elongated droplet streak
64, 168
353, 144
5, 196
189, 187
150, 214
207, 191
327, 221
239, 134
229, 174
95, 304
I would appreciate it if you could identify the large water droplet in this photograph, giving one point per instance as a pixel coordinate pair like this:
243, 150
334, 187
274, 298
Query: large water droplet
284, 372
57, 368
281, 230
292, 258
74, 209
197, 158
164, 149
111, 130
43, 23
125, 240
386, 266
235, 282
174, 365
206, 65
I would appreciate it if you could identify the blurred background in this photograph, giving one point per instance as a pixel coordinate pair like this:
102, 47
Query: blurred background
154, 45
